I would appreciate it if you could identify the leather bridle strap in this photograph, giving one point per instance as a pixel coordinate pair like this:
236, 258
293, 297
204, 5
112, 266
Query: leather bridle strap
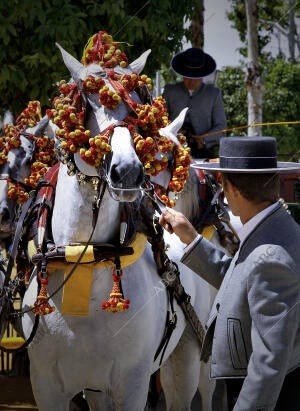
17, 238
10, 265
96, 207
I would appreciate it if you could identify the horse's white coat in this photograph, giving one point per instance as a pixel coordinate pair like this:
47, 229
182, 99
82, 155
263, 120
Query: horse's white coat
109, 352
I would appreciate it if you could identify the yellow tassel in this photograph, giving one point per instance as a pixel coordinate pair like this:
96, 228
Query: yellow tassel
41, 305
116, 302
87, 47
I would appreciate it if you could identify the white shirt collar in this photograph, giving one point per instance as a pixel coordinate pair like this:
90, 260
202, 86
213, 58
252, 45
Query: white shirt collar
248, 227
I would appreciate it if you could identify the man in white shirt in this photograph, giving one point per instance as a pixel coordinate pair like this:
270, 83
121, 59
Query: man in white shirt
253, 332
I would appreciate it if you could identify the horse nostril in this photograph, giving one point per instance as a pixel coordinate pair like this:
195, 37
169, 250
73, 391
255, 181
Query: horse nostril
114, 174
126, 177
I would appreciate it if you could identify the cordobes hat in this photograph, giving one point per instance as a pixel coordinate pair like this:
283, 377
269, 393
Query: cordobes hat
248, 155
193, 63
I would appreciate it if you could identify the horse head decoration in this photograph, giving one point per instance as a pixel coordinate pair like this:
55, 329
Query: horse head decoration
15, 154
25, 153
91, 256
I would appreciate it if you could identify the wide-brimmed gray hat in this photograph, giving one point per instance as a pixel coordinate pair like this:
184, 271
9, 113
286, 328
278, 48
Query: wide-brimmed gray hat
248, 155
193, 63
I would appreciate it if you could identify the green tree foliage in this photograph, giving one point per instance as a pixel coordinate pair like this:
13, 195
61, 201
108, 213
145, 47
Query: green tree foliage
30, 63
268, 11
280, 104
282, 87
232, 83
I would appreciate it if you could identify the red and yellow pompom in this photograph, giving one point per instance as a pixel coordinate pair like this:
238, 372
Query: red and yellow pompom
101, 49
116, 301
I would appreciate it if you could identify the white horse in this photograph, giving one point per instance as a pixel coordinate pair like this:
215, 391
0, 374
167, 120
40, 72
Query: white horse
113, 353
16, 169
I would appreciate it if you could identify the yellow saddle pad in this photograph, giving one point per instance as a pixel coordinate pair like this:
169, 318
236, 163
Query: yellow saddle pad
77, 290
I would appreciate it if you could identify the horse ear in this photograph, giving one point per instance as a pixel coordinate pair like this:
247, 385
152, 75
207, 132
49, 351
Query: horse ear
40, 127
139, 64
74, 66
28, 147
171, 130
8, 118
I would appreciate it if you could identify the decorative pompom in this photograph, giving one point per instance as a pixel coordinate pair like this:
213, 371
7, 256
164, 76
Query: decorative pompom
116, 302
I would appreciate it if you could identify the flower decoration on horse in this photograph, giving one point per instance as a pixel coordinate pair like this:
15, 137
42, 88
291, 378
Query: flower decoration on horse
145, 119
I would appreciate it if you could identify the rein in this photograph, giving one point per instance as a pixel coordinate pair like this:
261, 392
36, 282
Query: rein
7, 292
6, 295
43, 256
170, 277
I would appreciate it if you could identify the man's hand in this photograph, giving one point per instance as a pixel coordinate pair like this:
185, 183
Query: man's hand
199, 140
175, 222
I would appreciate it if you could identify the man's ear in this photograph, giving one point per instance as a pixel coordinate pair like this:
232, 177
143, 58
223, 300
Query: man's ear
229, 187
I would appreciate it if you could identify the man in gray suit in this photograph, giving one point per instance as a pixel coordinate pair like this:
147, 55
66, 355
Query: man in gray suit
206, 114
252, 335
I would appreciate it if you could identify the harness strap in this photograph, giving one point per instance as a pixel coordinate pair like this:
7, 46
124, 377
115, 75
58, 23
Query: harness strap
96, 206
169, 272
45, 201
169, 328
26, 209
17, 238
175, 289
27, 342
100, 252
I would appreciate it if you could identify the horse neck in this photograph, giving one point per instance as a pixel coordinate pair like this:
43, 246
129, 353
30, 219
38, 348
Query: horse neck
72, 219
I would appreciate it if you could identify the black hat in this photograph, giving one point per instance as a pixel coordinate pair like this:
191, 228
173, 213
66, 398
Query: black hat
193, 63
248, 155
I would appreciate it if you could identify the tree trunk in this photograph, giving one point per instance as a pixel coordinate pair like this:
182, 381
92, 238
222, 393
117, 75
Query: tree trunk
196, 26
292, 30
253, 80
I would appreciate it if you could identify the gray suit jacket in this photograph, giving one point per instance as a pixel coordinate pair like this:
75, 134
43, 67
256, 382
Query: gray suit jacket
206, 109
253, 329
